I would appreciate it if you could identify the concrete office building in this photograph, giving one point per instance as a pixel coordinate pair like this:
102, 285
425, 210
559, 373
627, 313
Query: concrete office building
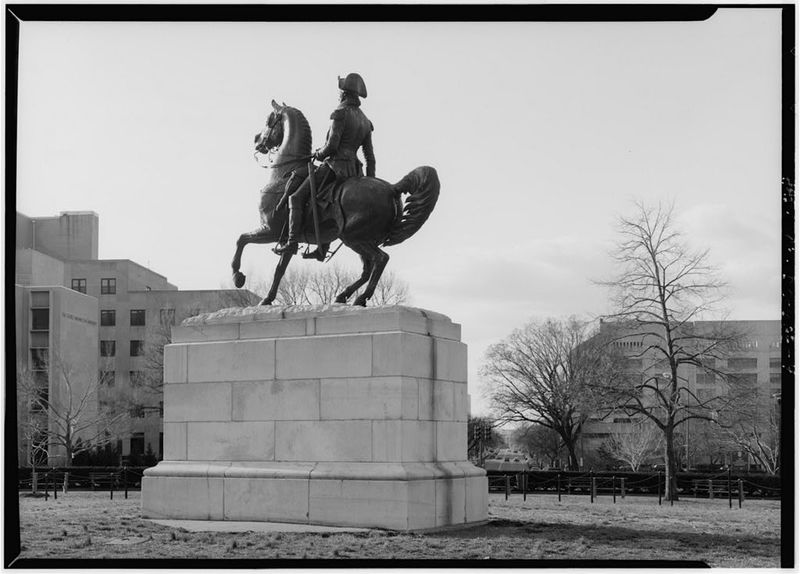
56, 341
132, 307
756, 361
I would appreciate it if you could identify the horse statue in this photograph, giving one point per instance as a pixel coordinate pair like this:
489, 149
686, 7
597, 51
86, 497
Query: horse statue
365, 213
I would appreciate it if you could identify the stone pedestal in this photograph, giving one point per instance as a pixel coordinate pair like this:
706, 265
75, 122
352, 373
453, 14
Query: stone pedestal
332, 415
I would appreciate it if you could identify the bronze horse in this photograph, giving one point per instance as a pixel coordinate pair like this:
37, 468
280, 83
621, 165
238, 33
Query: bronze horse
365, 213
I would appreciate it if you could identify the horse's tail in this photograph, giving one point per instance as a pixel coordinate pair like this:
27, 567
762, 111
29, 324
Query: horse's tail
422, 187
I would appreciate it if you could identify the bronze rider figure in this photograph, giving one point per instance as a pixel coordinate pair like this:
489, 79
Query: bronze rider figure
350, 130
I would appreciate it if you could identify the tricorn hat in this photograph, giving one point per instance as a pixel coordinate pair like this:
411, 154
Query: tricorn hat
353, 83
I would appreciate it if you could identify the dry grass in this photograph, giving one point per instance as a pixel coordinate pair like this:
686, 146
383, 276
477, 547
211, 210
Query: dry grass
89, 525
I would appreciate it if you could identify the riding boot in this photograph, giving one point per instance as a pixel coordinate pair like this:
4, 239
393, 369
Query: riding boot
319, 253
295, 221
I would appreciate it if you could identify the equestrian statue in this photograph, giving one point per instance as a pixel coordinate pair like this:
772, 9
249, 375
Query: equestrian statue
365, 213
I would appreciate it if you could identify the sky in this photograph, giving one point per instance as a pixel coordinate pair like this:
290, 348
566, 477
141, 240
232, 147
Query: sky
543, 135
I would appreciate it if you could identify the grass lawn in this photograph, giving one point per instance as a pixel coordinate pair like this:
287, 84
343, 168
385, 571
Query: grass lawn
89, 525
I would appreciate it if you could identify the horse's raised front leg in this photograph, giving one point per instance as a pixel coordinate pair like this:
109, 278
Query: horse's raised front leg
365, 273
260, 235
380, 259
280, 269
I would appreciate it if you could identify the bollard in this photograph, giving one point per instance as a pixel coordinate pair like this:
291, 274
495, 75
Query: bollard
558, 486
524, 486
593, 489
111, 485
741, 493
622, 487
125, 480
55, 492
614, 489
508, 485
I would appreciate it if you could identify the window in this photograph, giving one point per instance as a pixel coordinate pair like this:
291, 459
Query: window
623, 420
137, 443
136, 412
108, 318
137, 348
79, 285
136, 378
107, 378
40, 299
742, 363
40, 339
137, 317
40, 319
39, 358
775, 378
108, 286
108, 348
774, 362
704, 378
749, 379
167, 317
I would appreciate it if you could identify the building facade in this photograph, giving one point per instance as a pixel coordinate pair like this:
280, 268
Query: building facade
754, 361
111, 317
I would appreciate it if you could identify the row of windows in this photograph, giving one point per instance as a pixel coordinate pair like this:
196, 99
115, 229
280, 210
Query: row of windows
108, 318
108, 286
109, 378
139, 412
109, 348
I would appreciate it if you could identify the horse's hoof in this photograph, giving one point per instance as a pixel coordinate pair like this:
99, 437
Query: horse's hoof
360, 301
340, 299
265, 301
238, 279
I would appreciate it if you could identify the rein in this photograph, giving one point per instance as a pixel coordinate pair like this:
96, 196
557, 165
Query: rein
293, 159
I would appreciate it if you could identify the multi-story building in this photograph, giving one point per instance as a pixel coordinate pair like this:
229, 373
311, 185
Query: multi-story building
755, 361
56, 342
132, 309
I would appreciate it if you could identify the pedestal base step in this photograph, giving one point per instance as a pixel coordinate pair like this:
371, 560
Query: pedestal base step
394, 496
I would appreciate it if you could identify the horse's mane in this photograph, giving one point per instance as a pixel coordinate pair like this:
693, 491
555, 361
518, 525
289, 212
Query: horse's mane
299, 122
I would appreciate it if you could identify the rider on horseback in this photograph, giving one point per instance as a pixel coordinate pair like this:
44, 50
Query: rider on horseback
350, 130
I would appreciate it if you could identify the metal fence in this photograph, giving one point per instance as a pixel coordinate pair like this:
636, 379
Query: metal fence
614, 485
52, 480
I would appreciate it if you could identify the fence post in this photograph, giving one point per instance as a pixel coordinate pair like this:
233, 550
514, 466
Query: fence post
710, 488
659, 487
622, 486
508, 485
558, 486
730, 494
125, 480
34, 481
524, 486
741, 492
55, 492
592, 489
111, 485
614, 488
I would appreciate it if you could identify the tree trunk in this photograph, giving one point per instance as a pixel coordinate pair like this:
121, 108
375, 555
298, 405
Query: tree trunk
670, 465
573, 459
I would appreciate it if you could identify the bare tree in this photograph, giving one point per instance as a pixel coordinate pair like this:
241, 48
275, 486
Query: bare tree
754, 427
633, 448
542, 443
73, 420
321, 286
661, 288
549, 374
